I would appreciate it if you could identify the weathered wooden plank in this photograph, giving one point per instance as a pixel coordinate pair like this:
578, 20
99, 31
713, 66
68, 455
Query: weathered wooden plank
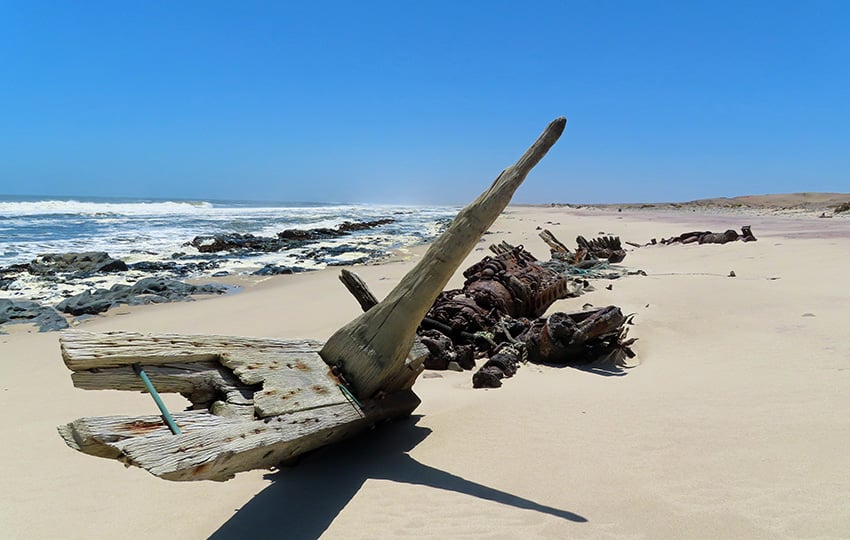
555, 245
99, 435
290, 381
277, 376
216, 448
414, 364
85, 350
372, 348
201, 382
300, 403
358, 289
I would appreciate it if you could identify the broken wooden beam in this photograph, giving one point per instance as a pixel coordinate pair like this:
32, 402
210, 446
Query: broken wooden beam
555, 245
262, 401
371, 349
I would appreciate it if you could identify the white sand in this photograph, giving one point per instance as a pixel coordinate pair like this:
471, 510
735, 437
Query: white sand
734, 425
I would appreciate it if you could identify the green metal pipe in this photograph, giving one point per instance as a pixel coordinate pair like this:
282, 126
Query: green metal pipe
149, 385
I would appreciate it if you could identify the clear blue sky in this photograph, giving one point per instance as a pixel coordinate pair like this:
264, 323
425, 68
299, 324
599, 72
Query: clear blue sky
422, 101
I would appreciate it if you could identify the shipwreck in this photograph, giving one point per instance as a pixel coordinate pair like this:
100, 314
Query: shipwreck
257, 403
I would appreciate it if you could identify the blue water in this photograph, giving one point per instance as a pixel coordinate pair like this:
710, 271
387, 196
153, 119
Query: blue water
148, 229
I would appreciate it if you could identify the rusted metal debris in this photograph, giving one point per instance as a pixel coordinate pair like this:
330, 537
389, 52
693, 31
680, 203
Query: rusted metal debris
562, 339
497, 315
708, 237
604, 248
511, 284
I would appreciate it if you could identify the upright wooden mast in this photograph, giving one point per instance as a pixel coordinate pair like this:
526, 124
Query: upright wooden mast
257, 402
371, 349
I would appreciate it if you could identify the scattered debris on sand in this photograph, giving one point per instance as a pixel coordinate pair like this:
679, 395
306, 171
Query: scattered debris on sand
497, 316
708, 237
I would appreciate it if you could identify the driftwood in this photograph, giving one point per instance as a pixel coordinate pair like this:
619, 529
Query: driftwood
555, 245
258, 402
372, 348
358, 289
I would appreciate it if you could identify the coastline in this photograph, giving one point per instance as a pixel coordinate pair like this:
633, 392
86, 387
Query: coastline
732, 425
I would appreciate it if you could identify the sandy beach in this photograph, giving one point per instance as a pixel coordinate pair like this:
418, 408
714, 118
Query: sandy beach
732, 424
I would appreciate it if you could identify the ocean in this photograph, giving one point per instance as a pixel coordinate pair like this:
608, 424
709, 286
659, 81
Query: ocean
149, 229
137, 230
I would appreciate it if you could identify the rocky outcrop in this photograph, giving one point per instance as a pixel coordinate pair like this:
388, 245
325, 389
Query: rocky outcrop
273, 270
236, 242
174, 268
90, 262
45, 317
145, 291
287, 239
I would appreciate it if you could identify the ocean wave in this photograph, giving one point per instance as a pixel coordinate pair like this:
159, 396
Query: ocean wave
123, 228
102, 209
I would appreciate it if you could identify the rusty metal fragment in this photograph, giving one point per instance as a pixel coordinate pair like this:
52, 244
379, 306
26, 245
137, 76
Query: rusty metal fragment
604, 248
511, 284
497, 315
708, 237
578, 337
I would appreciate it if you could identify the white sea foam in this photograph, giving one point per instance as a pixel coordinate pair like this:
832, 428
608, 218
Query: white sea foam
73, 207
139, 230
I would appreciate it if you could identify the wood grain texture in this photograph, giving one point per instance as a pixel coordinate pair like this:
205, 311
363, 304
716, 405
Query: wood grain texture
372, 348
216, 448
290, 381
84, 350
261, 402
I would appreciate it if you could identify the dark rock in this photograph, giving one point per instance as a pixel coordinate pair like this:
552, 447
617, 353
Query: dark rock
287, 239
236, 242
15, 268
92, 262
350, 226
272, 270
145, 291
301, 235
156, 266
46, 318
174, 268
86, 302
488, 377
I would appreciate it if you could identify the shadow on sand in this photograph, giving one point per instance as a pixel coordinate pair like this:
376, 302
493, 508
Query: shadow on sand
303, 501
